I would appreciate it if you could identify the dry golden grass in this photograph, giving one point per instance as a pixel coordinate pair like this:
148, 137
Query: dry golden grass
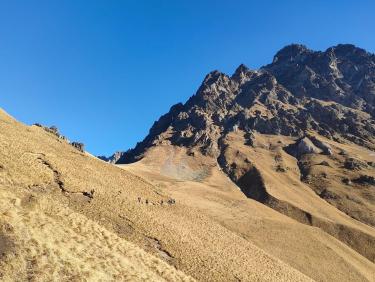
308, 249
287, 188
44, 241
51, 230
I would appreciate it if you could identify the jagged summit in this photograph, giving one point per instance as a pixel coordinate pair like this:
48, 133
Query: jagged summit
343, 74
348, 49
240, 71
291, 53
331, 93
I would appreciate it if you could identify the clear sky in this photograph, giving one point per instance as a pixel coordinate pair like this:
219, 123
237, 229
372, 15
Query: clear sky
104, 71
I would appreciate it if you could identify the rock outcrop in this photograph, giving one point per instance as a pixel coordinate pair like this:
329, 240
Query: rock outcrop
79, 146
53, 130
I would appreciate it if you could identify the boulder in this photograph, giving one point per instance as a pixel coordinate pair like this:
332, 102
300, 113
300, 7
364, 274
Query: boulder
305, 146
302, 147
326, 148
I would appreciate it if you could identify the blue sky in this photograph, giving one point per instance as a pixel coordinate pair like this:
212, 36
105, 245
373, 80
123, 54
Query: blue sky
104, 71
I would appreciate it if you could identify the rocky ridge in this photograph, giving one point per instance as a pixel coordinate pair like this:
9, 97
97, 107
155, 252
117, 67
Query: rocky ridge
331, 93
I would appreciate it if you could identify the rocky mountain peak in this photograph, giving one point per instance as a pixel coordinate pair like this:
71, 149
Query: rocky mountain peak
213, 76
344, 74
347, 50
291, 53
331, 93
242, 69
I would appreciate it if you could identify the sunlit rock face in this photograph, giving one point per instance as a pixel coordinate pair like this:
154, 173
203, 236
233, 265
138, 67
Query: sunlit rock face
331, 93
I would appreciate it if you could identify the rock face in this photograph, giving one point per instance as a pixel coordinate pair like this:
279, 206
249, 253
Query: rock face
344, 74
331, 93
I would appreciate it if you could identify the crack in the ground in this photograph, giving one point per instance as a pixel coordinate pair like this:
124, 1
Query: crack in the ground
60, 183
155, 243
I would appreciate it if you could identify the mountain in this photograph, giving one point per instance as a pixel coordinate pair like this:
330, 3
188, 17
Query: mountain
68, 216
331, 93
297, 135
258, 177
170, 217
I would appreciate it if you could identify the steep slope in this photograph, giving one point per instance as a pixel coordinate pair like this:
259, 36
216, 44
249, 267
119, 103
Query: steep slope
41, 240
41, 237
197, 182
66, 215
296, 135
268, 174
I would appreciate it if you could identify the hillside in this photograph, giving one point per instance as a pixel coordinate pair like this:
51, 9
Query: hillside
297, 135
69, 216
265, 175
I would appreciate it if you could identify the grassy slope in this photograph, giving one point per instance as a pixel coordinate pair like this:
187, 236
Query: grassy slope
287, 188
50, 229
41, 240
196, 182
